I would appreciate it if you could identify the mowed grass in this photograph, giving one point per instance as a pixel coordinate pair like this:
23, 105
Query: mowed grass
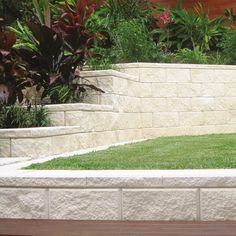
194, 152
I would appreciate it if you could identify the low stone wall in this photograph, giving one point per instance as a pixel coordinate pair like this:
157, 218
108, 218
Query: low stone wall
119, 195
141, 101
39, 142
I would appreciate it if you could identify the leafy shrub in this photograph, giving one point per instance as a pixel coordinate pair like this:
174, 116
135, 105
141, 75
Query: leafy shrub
189, 56
128, 10
132, 42
217, 58
190, 29
21, 117
229, 47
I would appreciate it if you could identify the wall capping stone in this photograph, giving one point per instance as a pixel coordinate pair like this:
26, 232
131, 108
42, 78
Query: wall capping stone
39, 132
78, 107
175, 66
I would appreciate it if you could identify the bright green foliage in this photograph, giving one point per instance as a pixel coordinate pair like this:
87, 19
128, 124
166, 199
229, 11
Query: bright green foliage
193, 152
43, 11
128, 10
25, 37
61, 94
21, 117
132, 42
190, 29
229, 46
188, 56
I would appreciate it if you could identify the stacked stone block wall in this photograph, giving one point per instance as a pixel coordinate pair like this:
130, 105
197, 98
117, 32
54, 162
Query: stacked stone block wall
141, 101
133, 195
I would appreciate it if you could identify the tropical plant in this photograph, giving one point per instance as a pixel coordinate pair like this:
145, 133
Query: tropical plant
13, 78
25, 38
190, 29
72, 25
43, 11
188, 56
53, 52
22, 117
51, 67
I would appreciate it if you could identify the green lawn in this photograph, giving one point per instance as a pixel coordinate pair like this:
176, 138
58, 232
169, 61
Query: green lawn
195, 152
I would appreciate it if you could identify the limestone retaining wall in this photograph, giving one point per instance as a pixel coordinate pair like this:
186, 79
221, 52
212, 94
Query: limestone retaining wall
141, 101
119, 195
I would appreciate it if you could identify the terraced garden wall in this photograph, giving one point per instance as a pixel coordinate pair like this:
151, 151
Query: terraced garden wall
142, 101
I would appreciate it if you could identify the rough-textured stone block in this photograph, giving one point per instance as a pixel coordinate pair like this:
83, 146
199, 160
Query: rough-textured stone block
128, 121
83, 140
31, 147
103, 82
143, 90
178, 104
97, 204
232, 117
103, 138
129, 135
23, 203
63, 144
106, 99
213, 90
203, 76
225, 103
5, 148
153, 75
57, 118
204, 104
178, 75
165, 119
126, 104
215, 117
92, 97
164, 90
189, 90
91, 121
230, 89
160, 204
225, 76
146, 120
153, 104
191, 118
134, 71
218, 204
120, 86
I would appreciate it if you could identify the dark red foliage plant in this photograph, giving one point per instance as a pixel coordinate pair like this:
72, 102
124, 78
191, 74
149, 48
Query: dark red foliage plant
72, 24
60, 51
13, 78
